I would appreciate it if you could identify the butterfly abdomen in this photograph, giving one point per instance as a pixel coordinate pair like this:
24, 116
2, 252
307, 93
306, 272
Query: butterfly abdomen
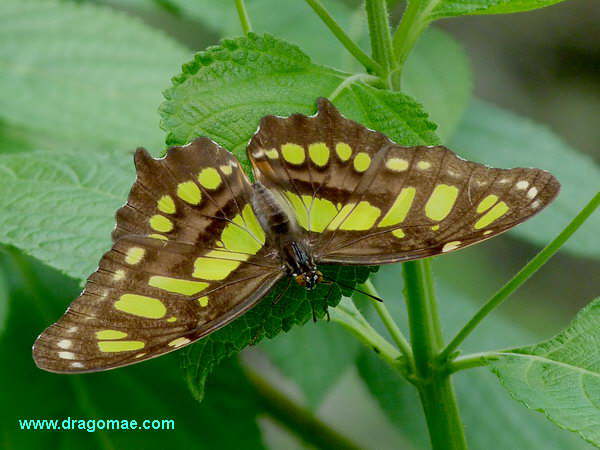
271, 212
279, 224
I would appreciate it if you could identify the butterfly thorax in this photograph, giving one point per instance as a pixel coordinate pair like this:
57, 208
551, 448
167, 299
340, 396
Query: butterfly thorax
282, 230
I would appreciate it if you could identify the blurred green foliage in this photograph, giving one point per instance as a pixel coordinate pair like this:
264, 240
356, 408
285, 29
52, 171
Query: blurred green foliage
81, 88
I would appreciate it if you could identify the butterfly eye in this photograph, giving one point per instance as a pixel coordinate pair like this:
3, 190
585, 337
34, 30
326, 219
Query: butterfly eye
301, 280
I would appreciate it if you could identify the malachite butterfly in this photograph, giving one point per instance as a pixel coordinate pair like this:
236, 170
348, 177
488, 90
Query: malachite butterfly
198, 244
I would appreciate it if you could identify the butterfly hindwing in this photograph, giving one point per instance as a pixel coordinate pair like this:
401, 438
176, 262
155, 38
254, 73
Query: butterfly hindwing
162, 287
366, 200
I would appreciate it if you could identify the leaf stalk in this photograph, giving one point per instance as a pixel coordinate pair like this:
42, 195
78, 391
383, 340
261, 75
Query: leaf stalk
294, 417
346, 315
369, 63
389, 323
244, 17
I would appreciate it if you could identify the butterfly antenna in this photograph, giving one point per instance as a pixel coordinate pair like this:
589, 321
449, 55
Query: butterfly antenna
374, 297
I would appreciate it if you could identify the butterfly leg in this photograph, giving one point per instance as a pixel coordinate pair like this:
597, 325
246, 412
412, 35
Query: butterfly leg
326, 304
255, 338
282, 293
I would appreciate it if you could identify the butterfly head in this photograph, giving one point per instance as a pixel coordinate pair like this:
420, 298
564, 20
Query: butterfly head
309, 279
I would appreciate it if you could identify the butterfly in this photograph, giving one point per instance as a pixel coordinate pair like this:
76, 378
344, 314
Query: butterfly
197, 244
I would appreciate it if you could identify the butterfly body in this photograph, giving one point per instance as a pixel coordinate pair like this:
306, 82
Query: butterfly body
197, 244
284, 234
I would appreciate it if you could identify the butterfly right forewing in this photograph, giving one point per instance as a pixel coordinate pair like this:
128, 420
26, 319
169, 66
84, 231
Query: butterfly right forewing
366, 200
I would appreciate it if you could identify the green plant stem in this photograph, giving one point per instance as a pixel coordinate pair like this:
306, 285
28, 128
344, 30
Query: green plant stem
411, 26
521, 277
244, 17
296, 418
435, 387
369, 63
388, 321
346, 315
381, 37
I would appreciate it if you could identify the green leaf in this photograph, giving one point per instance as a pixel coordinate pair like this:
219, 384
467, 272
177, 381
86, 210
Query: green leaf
451, 8
314, 357
499, 138
84, 76
485, 408
225, 91
437, 74
294, 307
60, 207
151, 390
560, 377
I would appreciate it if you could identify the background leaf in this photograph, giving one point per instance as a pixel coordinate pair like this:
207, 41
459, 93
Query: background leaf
67, 75
499, 138
560, 377
486, 409
60, 207
150, 390
314, 356
449, 8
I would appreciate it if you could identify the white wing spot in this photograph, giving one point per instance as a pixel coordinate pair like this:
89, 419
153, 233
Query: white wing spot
451, 246
179, 342
66, 355
531, 193
65, 343
522, 185
119, 275
77, 365
535, 204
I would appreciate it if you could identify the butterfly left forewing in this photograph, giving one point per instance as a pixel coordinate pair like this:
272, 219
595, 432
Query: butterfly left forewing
189, 256
364, 200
